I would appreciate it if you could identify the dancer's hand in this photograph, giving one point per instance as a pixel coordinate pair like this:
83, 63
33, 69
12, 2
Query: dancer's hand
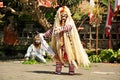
52, 56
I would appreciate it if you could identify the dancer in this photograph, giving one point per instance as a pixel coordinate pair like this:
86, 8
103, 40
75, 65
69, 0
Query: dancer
37, 50
66, 42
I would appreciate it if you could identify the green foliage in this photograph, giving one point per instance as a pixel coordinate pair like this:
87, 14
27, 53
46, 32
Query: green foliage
95, 59
78, 15
21, 47
118, 56
31, 61
118, 51
24, 17
2, 52
49, 16
106, 54
105, 2
89, 52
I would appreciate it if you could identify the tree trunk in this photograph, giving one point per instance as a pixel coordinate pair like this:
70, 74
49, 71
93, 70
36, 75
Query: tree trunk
41, 18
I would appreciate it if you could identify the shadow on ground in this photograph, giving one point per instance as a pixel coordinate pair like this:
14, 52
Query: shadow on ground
51, 72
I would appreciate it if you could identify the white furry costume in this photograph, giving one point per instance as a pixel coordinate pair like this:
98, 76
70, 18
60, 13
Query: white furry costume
75, 51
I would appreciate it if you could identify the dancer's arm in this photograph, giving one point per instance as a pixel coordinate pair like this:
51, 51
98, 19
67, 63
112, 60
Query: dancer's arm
48, 33
66, 28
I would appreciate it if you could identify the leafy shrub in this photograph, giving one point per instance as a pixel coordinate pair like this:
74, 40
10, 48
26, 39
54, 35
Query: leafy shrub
118, 56
95, 58
106, 55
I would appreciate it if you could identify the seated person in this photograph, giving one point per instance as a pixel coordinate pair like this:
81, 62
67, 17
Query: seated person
37, 50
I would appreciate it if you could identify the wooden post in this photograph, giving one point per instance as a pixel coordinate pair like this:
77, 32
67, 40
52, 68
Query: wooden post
97, 30
96, 39
90, 38
109, 42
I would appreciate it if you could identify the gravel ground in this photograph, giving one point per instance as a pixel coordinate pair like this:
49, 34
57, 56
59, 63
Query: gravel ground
15, 70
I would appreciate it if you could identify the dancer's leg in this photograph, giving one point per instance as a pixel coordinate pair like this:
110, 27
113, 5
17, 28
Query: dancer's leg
71, 69
58, 67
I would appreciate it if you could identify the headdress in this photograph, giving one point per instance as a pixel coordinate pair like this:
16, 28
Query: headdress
63, 9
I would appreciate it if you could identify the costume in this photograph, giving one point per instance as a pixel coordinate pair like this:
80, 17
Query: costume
34, 53
66, 42
38, 48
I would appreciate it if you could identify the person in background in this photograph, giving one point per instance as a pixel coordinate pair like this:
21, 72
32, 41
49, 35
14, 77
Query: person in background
37, 50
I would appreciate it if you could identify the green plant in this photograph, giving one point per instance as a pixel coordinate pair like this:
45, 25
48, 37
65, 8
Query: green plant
31, 61
118, 56
106, 55
89, 52
95, 58
118, 53
2, 52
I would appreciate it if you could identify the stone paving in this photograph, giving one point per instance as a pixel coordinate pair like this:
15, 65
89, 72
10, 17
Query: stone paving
15, 70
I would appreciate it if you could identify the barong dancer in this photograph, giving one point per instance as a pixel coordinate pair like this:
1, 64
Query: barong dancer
66, 42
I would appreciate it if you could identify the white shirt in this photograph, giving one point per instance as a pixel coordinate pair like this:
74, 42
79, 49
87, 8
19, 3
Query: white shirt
34, 51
